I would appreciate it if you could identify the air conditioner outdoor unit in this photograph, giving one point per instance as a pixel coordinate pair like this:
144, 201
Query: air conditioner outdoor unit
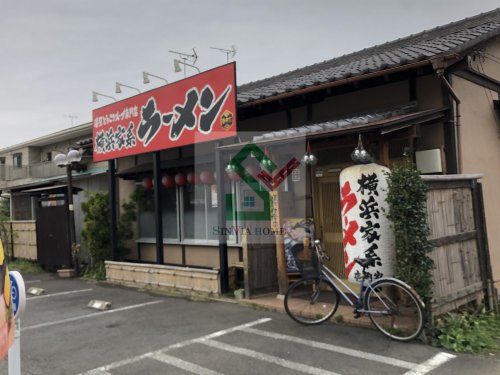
429, 161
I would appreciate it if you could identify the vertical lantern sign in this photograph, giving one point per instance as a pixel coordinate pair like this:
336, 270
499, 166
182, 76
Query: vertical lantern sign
366, 230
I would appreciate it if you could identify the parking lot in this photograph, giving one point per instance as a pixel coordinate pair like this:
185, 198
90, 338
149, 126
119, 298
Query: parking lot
145, 333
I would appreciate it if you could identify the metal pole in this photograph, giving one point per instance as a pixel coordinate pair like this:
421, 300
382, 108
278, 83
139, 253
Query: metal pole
221, 216
71, 215
112, 207
158, 210
15, 350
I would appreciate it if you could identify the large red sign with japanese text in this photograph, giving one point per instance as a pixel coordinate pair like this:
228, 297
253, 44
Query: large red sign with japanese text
196, 109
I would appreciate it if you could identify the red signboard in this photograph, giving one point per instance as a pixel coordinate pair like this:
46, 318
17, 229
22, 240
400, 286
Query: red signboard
196, 109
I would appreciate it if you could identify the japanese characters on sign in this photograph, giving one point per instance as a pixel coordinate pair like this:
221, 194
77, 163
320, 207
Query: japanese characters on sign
197, 109
366, 230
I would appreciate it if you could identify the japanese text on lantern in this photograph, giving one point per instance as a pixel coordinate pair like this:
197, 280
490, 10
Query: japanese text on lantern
360, 223
370, 212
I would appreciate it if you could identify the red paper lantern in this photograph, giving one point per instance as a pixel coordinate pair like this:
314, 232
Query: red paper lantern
180, 179
207, 177
192, 178
147, 183
168, 181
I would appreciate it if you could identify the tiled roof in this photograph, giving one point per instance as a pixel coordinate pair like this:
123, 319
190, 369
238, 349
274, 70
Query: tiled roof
443, 40
348, 122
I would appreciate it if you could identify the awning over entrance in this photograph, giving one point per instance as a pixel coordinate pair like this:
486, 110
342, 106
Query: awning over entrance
384, 121
56, 189
147, 168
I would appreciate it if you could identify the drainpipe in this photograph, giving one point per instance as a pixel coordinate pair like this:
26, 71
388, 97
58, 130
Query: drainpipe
449, 88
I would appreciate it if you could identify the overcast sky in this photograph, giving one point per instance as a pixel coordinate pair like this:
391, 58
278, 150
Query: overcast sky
54, 53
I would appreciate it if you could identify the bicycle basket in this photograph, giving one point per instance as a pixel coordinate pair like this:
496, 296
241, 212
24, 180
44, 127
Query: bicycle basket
306, 260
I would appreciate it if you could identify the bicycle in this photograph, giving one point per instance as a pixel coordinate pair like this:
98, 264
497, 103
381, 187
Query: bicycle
392, 305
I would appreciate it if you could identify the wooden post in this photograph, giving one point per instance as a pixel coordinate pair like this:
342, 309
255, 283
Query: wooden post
280, 244
482, 246
384, 152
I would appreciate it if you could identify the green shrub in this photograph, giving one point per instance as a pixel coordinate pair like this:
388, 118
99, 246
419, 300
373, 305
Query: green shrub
96, 233
468, 333
25, 266
5, 226
97, 272
407, 211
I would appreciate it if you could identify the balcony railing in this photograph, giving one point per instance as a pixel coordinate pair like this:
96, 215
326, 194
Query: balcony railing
39, 170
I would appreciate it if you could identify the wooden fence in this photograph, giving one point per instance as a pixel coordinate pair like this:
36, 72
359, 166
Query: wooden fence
462, 270
22, 239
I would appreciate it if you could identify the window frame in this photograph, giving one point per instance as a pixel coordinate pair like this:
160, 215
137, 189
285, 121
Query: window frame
181, 233
17, 156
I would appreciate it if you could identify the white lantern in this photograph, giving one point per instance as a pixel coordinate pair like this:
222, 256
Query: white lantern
366, 230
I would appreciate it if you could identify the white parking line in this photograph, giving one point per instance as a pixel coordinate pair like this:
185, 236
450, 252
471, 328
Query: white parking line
216, 334
32, 281
59, 294
72, 319
334, 348
268, 358
184, 365
160, 355
104, 369
431, 364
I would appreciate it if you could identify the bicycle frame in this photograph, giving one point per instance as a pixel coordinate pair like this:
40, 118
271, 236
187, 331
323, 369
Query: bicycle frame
358, 303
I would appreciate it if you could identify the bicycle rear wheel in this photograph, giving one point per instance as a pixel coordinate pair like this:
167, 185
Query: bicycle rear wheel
311, 300
395, 309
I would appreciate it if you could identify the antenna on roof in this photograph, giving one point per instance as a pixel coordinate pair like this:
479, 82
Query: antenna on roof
229, 52
72, 118
191, 57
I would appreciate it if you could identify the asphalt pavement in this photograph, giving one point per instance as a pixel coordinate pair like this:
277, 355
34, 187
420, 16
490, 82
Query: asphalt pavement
145, 333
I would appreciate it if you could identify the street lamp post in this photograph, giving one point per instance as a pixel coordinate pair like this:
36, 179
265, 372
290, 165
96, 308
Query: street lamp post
71, 161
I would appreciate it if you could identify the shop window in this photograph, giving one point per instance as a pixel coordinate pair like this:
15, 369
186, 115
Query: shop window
170, 215
147, 224
189, 213
195, 212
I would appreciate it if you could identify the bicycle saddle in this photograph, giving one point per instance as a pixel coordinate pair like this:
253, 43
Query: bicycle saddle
365, 262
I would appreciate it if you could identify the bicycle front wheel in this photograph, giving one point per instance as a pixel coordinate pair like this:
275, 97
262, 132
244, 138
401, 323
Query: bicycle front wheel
311, 300
394, 309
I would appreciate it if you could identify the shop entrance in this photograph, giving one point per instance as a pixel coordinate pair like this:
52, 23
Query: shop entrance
328, 219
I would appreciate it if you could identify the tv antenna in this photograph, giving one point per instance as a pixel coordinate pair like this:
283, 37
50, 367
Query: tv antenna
230, 53
185, 57
72, 118
191, 57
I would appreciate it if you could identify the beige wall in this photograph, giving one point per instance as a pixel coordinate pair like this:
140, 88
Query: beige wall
8, 155
480, 142
202, 256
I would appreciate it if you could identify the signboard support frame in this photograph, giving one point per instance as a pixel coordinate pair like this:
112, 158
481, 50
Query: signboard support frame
112, 206
221, 216
158, 210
